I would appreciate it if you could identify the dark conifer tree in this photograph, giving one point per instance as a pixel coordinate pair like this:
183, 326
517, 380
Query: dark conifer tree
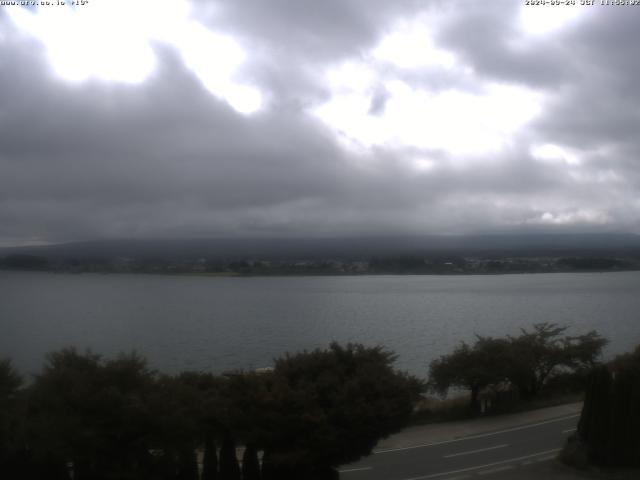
610, 417
597, 410
229, 468
46, 467
210, 460
188, 465
168, 466
12, 418
267, 471
250, 463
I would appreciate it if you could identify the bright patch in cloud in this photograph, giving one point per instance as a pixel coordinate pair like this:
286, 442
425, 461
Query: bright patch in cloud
424, 164
454, 121
582, 216
214, 58
410, 45
554, 153
373, 105
90, 42
112, 40
351, 77
546, 19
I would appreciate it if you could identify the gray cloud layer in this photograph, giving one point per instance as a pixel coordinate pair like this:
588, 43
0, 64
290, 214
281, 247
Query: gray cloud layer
167, 158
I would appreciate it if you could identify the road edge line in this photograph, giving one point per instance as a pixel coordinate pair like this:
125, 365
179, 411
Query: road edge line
471, 437
469, 469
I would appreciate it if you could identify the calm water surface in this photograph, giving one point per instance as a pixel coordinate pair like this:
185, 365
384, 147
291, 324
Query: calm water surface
207, 323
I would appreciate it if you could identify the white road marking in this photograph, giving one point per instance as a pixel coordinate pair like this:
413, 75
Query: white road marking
361, 469
471, 437
569, 430
495, 470
469, 452
477, 467
545, 459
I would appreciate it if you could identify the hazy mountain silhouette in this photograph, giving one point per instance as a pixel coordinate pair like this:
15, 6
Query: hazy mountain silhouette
355, 247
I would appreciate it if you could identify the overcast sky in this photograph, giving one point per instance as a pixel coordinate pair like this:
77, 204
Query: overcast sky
274, 118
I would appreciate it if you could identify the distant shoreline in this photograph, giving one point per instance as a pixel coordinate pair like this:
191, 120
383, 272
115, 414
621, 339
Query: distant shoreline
310, 274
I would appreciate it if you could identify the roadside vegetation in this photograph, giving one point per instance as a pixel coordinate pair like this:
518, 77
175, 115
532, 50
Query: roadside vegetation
607, 434
85, 417
539, 367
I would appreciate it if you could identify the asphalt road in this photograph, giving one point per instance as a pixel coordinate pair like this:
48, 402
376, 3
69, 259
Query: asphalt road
481, 456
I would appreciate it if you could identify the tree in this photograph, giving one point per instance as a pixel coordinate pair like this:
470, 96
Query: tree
61, 402
473, 367
10, 380
525, 362
328, 407
183, 415
210, 459
250, 463
93, 413
229, 468
610, 419
11, 420
538, 354
187, 465
25, 262
103, 419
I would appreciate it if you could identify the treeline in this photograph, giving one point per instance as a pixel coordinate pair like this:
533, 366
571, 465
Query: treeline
517, 368
403, 265
24, 262
537, 362
85, 417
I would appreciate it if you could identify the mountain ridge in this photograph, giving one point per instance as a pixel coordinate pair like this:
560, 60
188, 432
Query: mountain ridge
522, 245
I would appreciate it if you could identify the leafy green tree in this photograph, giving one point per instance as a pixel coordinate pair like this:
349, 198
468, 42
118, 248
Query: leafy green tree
177, 405
538, 354
243, 410
193, 407
93, 414
60, 425
526, 361
328, 407
473, 367
114, 419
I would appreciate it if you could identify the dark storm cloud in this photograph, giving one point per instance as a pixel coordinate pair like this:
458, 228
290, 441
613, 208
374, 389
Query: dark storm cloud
602, 101
313, 32
167, 147
168, 158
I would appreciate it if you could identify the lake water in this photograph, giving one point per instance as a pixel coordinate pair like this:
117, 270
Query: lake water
208, 323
